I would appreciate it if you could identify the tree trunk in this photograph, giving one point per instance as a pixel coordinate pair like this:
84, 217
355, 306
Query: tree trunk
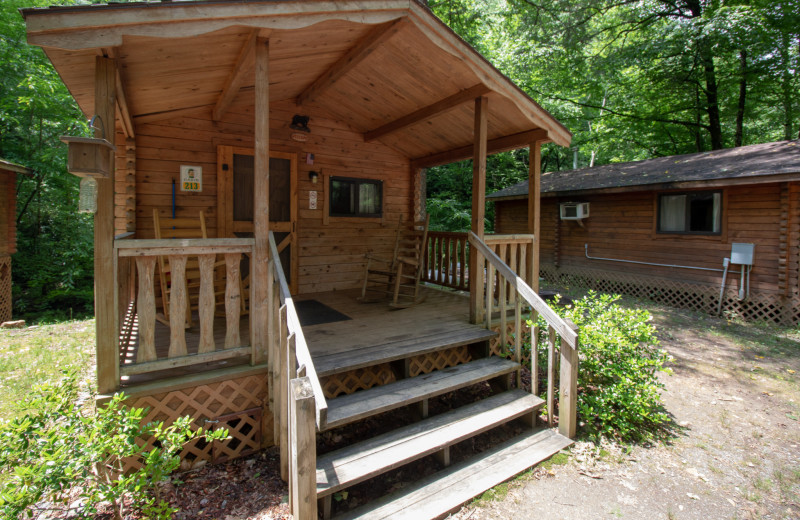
786, 87
739, 134
705, 53
714, 125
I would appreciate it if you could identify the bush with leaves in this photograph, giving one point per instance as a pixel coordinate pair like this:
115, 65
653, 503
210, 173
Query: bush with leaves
619, 393
65, 459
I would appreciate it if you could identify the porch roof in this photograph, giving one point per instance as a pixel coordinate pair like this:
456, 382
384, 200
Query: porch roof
389, 69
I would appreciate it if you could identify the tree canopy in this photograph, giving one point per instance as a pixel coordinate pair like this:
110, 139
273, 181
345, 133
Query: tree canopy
53, 268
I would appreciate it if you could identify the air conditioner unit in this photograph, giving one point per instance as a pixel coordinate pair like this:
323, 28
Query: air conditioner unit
574, 210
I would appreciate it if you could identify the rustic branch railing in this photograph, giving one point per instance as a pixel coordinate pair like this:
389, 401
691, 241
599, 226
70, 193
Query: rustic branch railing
506, 290
144, 254
298, 404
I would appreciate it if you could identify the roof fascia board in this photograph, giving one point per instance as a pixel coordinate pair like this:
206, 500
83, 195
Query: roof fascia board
88, 28
766, 178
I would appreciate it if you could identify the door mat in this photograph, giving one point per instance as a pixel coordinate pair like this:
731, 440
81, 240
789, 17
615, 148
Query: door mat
313, 312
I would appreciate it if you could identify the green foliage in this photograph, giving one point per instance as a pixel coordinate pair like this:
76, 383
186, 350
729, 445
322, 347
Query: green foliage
62, 458
53, 268
618, 387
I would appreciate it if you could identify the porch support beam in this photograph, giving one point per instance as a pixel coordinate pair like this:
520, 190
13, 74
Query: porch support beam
124, 112
242, 67
478, 204
501, 144
425, 113
534, 212
105, 265
260, 281
352, 58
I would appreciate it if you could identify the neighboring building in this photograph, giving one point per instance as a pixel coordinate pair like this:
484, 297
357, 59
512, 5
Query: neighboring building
8, 231
661, 228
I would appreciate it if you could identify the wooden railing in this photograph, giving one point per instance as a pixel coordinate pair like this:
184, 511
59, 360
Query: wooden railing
505, 290
447, 257
298, 404
446, 260
144, 254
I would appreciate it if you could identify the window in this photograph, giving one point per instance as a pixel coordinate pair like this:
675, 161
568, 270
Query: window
697, 212
356, 197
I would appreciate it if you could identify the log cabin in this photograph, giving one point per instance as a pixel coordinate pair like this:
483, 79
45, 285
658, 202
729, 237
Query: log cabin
248, 158
663, 228
8, 231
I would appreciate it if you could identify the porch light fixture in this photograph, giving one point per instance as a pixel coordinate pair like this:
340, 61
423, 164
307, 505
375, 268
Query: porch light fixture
313, 176
300, 123
89, 158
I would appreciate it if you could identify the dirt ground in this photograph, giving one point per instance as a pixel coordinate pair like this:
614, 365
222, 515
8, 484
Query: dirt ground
734, 448
732, 451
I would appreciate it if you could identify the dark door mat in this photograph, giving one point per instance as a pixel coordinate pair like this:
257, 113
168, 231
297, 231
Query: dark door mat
313, 312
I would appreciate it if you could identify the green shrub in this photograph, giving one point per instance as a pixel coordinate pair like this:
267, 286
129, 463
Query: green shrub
618, 387
64, 458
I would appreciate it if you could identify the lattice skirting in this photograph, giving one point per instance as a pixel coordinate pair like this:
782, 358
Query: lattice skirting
236, 404
507, 350
427, 363
700, 297
360, 379
5, 288
364, 378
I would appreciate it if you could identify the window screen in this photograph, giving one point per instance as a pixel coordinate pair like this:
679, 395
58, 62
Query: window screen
698, 212
355, 197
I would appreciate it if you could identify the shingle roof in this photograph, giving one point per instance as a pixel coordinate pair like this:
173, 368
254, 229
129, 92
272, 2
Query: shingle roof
741, 163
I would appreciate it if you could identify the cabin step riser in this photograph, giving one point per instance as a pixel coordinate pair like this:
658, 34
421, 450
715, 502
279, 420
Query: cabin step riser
443, 492
360, 405
368, 459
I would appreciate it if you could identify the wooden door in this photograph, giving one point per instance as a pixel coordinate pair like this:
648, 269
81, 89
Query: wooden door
235, 202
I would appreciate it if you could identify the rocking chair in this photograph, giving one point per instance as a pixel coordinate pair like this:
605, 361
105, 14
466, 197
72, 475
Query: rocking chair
400, 276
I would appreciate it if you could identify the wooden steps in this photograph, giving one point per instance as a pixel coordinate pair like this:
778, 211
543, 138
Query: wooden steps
358, 462
337, 363
359, 405
437, 495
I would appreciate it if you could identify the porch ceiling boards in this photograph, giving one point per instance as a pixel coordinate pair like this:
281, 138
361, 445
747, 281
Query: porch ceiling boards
388, 68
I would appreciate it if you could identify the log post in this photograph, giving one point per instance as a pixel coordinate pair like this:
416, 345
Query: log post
480, 145
568, 388
105, 279
303, 449
260, 281
534, 212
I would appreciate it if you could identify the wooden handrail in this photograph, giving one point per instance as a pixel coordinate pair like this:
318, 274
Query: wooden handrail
303, 355
568, 332
524, 290
183, 246
507, 239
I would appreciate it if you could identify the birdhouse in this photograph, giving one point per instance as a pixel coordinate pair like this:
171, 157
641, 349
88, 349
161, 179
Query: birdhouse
88, 156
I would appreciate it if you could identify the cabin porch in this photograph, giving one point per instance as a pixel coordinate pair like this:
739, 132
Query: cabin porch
335, 324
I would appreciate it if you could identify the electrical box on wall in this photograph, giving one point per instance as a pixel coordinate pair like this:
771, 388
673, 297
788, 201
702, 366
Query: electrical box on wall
574, 210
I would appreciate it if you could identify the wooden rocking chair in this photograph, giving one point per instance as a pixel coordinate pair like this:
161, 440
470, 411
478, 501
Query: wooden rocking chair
400, 276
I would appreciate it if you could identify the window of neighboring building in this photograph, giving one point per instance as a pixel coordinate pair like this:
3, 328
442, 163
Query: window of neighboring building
356, 197
695, 212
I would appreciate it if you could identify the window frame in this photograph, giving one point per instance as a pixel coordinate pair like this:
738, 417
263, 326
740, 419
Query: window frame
687, 220
358, 182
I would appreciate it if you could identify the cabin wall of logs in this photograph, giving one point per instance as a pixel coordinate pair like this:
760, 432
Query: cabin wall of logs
331, 249
623, 226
